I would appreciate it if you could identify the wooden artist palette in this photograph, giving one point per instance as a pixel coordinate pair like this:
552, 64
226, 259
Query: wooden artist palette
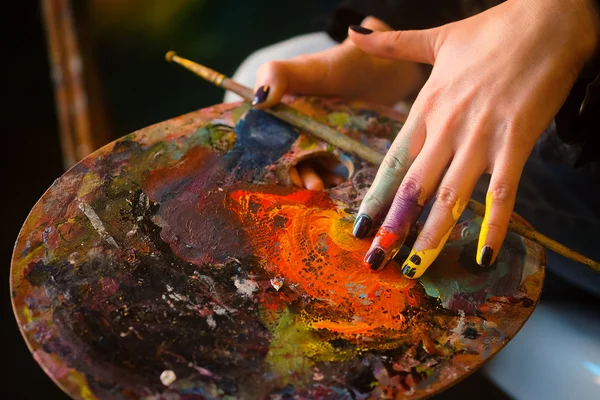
180, 263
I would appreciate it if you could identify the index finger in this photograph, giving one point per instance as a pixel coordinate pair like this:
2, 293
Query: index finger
390, 174
409, 201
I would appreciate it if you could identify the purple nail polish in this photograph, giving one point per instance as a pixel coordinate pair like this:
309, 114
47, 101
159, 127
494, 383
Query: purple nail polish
362, 226
486, 256
261, 95
360, 29
375, 259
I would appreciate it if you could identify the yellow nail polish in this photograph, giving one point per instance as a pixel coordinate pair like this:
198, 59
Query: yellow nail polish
418, 261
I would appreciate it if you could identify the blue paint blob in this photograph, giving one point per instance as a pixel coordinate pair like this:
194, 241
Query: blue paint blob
261, 140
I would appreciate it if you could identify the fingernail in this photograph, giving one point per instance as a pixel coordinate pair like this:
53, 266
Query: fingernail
362, 226
260, 95
408, 271
360, 29
486, 256
375, 258
415, 259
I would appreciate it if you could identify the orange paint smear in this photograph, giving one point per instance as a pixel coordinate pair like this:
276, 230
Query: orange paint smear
305, 239
386, 239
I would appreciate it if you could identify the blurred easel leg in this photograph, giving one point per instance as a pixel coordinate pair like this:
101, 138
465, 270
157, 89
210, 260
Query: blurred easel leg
72, 101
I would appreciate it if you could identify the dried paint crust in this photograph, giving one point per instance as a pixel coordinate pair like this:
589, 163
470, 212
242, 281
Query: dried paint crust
183, 247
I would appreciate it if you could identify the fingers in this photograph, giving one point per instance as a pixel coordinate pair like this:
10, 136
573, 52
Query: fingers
390, 174
451, 200
310, 179
499, 204
418, 45
316, 174
417, 186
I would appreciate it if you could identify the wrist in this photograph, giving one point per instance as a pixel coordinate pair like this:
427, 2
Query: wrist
575, 21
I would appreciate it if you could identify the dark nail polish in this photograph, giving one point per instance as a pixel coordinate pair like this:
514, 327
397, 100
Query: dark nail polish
260, 95
413, 234
408, 271
486, 256
415, 259
360, 29
362, 226
375, 259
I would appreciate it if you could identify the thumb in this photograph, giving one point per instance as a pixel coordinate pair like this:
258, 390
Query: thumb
418, 46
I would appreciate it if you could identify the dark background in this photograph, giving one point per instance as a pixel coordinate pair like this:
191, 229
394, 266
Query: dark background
127, 41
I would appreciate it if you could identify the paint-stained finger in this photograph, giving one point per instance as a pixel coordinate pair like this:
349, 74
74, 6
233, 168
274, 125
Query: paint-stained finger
417, 186
499, 204
310, 179
451, 200
390, 174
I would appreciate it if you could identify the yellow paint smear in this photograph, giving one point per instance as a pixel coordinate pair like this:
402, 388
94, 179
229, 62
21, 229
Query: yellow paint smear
428, 256
483, 234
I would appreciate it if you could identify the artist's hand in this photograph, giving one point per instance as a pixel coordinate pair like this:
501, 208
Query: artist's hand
499, 78
343, 71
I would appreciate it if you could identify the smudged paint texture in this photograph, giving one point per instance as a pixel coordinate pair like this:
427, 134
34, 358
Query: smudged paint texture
419, 260
160, 251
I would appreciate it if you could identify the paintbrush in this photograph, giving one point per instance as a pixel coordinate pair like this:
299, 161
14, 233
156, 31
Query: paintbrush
283, 111
302, 121
535, 236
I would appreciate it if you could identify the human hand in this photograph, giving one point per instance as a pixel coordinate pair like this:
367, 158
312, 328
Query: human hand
499, 78
343, 71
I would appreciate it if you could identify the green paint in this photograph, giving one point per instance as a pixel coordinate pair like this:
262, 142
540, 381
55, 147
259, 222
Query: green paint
437, 284
213, 136
424, 370
237, 112
324, 352
338, 119
286, 357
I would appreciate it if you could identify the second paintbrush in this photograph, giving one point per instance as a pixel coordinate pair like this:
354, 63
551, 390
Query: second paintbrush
282, 111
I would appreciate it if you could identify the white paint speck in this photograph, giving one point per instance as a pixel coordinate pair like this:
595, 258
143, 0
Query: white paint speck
277, 283
178, 297
168, 377
246, 287
211, 322
460, 326
133, 231
97, 223
219, 310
